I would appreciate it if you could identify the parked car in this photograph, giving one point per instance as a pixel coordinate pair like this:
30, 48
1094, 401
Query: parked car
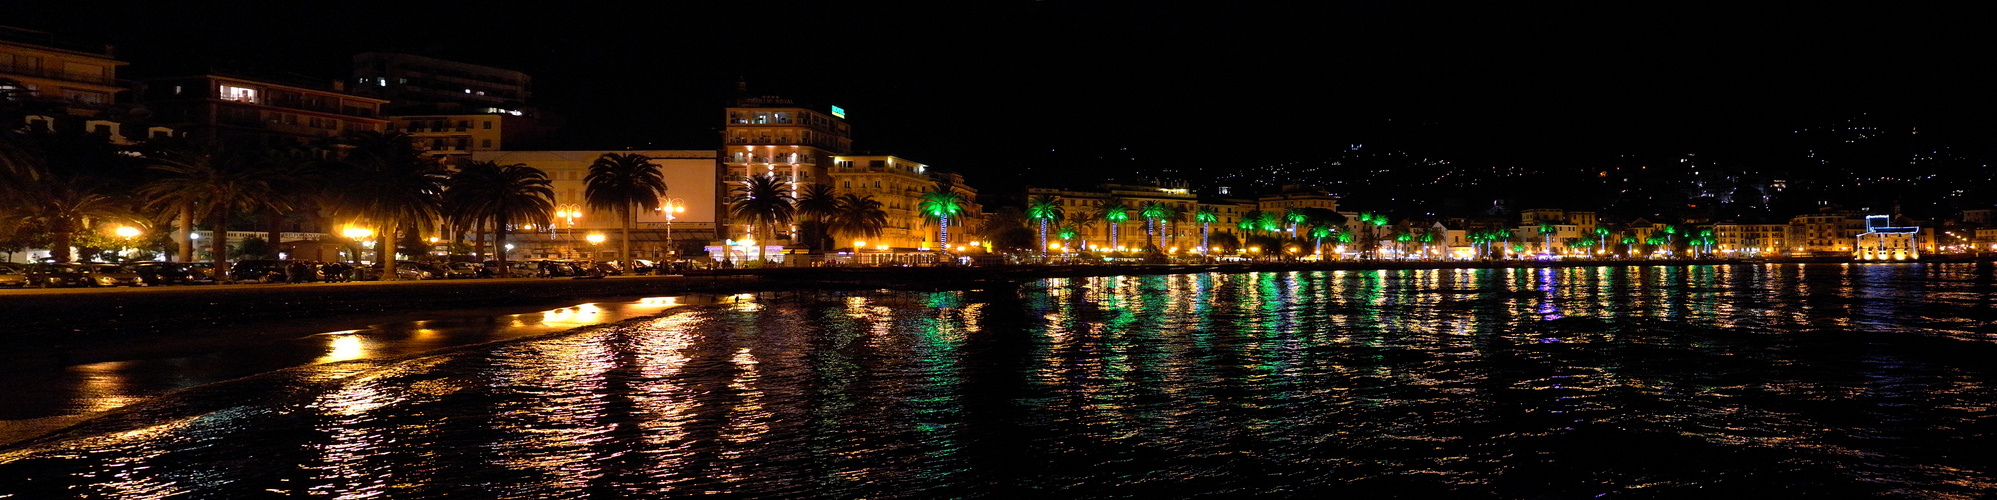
156, 273
259, 270
407, 271
111, 275
517, 268
57, 275
456, 270
13, 276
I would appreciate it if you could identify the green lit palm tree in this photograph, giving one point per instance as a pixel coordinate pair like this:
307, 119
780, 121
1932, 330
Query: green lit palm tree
1602, 238
484, 191
1206, 217
1293, 218
1318, 234
763, 203
941, 204
623, 182
1042, 209
1546, 229
1114, 212
1152, 212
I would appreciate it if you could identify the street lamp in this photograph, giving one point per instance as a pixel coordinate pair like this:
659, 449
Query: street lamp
568, 213
126, 232
357, 234
672, 206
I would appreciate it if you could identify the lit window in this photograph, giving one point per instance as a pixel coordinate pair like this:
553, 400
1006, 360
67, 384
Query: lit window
234, 93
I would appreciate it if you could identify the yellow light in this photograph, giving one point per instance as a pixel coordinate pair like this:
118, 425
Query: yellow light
594, 238
127, 231
858, 243
881, 247
357, 232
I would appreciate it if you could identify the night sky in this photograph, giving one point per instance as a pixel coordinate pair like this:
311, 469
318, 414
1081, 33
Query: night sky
1037, 88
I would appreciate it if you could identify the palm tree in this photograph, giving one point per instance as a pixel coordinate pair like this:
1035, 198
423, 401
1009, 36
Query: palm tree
817, 203
1602, 238
1317, 235
1294, 217
392, 184
940, 204
1206, 217
1042, 208
502, 194
858, 217
623, 182
763, 203
63, 207
1546, 229
209, 182
1152, 212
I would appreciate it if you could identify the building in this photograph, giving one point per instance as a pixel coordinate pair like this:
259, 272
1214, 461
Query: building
774, 136
423, 85
1745, 240
453, 137
453, 108
1296, 196
34, 67
1882, 241
899, 183
1823, 234
1177, 230
691, 183
275, 111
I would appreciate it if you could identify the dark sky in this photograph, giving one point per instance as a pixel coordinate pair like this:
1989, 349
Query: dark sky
990, 86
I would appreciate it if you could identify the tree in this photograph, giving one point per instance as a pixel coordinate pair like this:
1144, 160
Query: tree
817, 203
209, 181
1294, 217
763, 203
858, 217
940, 204
1152, 212
1206, 217
502, 194
62, 208
1042, 209
623, 182
391, 184
1546, 229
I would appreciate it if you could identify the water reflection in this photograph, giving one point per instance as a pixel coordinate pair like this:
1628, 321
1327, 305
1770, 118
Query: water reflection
1637, 381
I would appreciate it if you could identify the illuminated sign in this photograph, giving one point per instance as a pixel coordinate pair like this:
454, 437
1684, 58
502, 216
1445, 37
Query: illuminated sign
839, 111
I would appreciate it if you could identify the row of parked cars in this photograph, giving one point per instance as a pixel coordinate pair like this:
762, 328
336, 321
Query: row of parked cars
151, 273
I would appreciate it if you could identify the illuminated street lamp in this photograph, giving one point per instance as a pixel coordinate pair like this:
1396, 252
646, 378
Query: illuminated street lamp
568, 214
671, 207
358, 235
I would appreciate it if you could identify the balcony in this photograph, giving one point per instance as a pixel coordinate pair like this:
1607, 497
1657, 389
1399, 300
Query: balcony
99, 79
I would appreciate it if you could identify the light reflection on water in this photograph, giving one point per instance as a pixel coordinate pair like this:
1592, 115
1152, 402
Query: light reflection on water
1618, 382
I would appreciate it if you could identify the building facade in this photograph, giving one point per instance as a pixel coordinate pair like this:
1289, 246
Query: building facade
273, 111
691, 183
773, 136
34, 68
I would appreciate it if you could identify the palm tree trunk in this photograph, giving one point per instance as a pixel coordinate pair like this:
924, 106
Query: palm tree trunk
624, 252
384, 246
273, 233
478, 237
185, 249
219, 245
499, 243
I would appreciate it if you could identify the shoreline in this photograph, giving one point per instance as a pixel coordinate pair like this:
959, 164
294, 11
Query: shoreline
83, 319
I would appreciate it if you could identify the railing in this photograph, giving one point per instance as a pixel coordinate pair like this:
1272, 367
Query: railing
56, 74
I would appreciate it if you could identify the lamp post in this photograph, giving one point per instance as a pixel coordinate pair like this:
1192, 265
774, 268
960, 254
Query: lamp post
126, 232
568, 213
671, 207
357, 234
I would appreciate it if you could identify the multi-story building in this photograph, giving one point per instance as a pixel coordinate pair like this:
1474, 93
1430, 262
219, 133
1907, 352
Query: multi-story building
457, 136
656, 233
1882, 241
1823, 234
898, 184
453, 108
34, 67
1296, 196
422, 85
774, 136
1740, 240
1179, 231
274, 110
